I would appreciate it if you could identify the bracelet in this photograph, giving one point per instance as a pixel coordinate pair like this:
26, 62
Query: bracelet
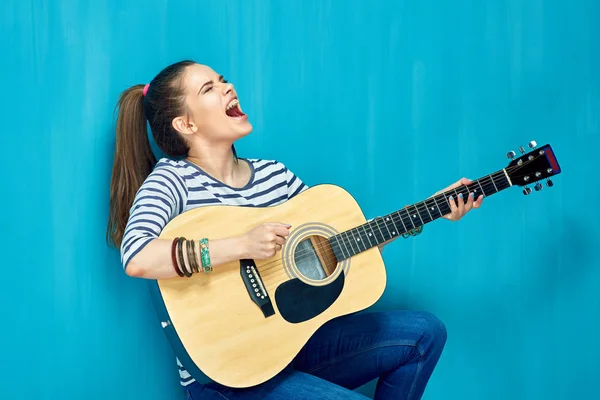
191, 252
174, 257
205, 256
186, 272
413, 232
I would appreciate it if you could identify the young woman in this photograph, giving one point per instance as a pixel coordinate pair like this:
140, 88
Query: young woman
195, 118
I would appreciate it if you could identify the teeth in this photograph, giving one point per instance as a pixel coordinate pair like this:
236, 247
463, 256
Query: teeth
232, 104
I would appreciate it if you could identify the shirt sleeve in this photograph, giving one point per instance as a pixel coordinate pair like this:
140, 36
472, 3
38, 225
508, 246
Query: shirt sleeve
161, 197
294, 185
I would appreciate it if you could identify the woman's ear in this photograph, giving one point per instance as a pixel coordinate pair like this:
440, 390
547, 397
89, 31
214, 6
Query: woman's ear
184, 126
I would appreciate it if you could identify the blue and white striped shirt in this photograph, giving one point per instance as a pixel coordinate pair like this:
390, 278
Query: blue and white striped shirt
174, 187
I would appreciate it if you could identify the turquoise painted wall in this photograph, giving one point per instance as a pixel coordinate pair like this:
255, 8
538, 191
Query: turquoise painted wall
392, 100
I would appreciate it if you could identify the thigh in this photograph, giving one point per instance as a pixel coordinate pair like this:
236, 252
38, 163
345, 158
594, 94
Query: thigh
354, 349
287, 385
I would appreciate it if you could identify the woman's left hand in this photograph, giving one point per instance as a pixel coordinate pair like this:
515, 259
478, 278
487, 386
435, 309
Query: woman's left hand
458, 207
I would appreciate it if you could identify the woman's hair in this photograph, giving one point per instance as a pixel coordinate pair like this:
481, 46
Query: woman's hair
158, 104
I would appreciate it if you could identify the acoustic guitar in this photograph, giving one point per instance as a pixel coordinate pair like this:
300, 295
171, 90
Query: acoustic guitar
245, 322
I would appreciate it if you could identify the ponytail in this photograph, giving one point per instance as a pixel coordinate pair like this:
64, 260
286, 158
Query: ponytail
133, 161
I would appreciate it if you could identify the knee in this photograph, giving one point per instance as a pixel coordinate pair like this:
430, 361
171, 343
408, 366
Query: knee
433, 330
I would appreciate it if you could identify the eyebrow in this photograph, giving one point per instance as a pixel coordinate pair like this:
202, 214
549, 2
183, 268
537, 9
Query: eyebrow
210, 83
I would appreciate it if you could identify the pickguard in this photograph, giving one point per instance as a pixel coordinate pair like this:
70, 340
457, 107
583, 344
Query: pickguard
298, 301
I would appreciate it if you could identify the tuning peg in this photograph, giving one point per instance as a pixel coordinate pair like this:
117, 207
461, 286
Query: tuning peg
511, 154
549, 182
538, 186
532, 145
522, 150
526, 191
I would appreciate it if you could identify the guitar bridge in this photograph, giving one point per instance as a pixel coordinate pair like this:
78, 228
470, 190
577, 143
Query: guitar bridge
255, 287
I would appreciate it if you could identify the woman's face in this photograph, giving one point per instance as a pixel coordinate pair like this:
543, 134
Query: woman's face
213, 107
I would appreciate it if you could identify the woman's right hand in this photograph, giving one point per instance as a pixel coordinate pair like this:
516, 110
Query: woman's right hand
264, 241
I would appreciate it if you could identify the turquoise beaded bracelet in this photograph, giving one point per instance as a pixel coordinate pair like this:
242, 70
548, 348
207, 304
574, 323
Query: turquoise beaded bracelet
205, 256
413, 232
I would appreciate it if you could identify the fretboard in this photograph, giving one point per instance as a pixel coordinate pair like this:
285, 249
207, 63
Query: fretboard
380, 230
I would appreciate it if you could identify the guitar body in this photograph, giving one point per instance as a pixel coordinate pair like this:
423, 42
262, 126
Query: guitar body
241, 335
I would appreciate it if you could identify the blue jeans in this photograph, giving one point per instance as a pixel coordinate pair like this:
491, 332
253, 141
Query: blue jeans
401, 348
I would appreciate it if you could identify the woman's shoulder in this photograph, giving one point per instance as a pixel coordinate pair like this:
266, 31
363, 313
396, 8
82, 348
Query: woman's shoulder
173, 165
170, 173
181, 168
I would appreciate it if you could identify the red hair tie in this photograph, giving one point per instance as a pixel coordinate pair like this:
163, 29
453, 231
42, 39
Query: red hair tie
146, 88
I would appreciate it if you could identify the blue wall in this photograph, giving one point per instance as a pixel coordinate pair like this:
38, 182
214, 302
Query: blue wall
392, 100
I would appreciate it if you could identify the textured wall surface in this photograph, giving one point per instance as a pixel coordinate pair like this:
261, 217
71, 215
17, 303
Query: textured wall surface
392, 100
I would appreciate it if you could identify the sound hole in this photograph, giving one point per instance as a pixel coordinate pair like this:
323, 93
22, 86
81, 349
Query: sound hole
314, 258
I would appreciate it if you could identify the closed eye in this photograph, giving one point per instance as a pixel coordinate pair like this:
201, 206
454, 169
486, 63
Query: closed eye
210, 84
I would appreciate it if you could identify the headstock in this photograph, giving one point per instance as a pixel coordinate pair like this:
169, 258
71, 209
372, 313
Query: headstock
532, 167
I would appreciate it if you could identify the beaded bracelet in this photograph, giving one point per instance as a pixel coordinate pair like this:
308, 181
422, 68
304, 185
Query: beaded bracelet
205, 256
413, 232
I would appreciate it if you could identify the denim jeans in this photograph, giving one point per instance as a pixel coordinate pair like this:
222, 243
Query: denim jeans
401, 348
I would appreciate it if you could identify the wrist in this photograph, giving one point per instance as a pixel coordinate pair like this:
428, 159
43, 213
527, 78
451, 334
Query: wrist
240, 247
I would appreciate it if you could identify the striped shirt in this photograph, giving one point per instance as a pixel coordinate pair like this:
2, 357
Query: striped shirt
174, 187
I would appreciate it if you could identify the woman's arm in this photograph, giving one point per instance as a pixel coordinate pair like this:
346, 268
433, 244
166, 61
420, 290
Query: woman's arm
154, 260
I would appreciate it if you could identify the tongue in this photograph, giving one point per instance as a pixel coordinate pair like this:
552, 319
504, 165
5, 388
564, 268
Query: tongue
234, 112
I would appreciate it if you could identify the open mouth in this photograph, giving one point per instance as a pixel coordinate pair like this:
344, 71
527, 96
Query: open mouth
233, 109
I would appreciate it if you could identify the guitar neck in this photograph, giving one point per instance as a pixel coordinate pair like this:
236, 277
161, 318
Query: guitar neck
381, 229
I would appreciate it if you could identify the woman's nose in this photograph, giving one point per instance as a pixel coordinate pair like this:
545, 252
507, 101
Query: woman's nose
227, 87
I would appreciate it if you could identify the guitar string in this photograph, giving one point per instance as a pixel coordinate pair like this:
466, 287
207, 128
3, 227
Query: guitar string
327, 250
486, 183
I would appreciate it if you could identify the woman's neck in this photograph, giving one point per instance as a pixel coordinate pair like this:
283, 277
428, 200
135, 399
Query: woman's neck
219, 163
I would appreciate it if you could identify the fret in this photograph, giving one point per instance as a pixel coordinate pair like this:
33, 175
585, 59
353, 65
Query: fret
388, 229
489, 190
368, 234
419, 214
480, 187
350, 240
425, 214
345, 245
492, 178
358, 240
464, 195
363, 239
392, 229
380, 231
373, 230
503, 180
352, 233
447, 204
337, 239
405, 214
410, 218
393, 223
432, 208
427, 208
455, 192
438, 206
402, 220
